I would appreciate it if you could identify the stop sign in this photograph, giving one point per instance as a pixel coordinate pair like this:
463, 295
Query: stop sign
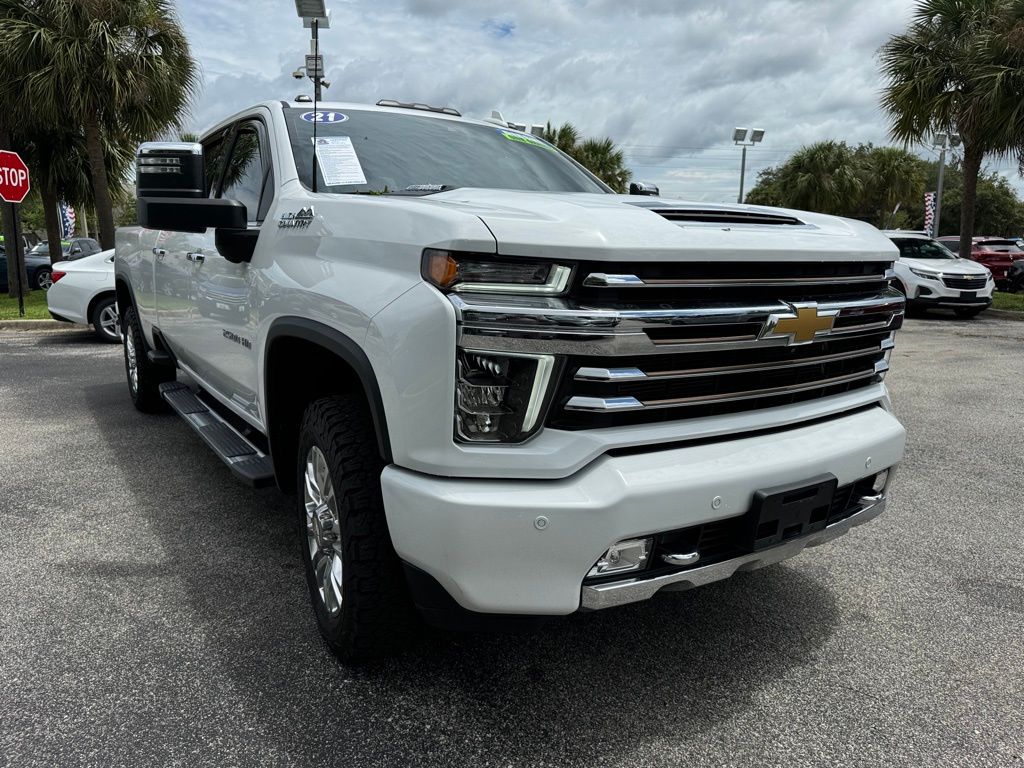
13, 177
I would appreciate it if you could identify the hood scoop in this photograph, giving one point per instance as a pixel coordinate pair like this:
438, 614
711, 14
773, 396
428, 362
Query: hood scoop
717, 216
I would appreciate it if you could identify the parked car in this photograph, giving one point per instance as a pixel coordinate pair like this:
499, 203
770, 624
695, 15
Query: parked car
37, 266
996, 253
1015, 277
83, 292
75, 248
930, 275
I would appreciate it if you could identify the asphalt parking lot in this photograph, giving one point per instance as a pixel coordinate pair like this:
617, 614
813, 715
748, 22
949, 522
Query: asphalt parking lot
153, 611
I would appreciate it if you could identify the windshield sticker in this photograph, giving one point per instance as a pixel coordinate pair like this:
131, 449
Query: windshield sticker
525, 138
323, 117
338, 161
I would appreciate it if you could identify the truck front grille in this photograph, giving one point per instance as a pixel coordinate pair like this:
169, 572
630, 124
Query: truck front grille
640, 343
710, 383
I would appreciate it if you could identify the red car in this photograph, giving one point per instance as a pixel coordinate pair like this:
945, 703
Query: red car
996, 253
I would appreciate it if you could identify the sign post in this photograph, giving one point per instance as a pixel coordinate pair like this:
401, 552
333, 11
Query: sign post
14, 186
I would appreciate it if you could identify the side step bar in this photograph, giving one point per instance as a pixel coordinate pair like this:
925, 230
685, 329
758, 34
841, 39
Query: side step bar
244, 459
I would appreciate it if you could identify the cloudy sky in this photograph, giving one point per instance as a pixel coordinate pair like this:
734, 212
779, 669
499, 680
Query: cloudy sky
666, 79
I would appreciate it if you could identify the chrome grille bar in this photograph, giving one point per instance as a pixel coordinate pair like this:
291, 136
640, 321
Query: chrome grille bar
604, 280
636, 374
630, 403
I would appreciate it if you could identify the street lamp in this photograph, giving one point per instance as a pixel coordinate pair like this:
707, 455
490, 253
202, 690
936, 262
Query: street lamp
315, 16
942, 142
744, 137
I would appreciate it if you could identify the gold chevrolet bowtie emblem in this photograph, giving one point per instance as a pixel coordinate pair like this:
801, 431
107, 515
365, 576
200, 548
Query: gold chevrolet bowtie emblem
801, 326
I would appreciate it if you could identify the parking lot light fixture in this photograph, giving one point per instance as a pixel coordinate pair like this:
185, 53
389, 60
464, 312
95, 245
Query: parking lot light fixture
744, 137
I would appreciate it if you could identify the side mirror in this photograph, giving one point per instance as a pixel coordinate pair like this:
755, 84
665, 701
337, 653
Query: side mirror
643, 188
170, 181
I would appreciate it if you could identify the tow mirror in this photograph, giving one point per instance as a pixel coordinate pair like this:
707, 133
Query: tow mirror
170, 184
643, 188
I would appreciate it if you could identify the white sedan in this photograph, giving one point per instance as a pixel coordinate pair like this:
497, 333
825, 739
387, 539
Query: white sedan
83, 292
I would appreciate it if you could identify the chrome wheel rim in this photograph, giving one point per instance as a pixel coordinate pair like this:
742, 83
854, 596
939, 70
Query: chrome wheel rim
108, 321
133, 364
323, 532
45, 281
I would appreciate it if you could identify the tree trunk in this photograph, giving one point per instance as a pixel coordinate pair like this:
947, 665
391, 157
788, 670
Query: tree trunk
49, 198
10, 241
972, 166
100, 185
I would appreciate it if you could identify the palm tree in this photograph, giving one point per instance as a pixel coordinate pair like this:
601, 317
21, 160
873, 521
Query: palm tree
119, 69
60, 168
823, 177
599, 156
890, 176
960, 67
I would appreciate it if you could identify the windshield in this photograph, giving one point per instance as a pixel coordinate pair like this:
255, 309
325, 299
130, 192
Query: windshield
914, 248
418, 154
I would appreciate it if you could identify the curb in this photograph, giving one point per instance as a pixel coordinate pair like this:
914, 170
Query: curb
38, 325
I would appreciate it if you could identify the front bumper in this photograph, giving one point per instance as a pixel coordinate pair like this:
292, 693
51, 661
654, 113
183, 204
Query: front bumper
935, 294
525, 546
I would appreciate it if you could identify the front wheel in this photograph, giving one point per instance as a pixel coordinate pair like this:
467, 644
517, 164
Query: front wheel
144, 378
104, 321
355, 579
44, 279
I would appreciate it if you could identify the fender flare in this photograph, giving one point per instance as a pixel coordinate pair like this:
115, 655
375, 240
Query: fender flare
345, 349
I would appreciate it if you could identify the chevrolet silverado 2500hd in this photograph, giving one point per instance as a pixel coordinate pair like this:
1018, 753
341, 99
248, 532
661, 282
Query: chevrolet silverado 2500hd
496, 388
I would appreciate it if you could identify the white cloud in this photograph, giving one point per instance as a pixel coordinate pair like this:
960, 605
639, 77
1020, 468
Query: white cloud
666, 79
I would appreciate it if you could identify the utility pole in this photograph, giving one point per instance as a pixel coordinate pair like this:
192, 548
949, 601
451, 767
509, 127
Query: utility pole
744, 137
942, 142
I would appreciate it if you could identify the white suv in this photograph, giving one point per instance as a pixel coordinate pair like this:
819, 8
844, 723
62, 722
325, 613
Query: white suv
930, 275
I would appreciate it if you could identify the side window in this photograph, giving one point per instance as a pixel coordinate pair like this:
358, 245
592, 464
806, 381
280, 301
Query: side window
214, 149
243, 174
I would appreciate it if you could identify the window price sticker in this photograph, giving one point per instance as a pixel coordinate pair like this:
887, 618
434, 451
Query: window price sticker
338, 161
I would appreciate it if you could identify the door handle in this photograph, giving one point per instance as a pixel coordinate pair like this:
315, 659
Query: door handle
196, 256
159, 252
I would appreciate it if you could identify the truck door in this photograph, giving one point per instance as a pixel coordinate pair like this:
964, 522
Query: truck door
217, 338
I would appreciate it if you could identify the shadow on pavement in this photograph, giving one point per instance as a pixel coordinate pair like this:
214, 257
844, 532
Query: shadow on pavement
581, 689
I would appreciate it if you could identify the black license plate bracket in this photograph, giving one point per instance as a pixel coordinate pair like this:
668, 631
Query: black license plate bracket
789, 511
968, 294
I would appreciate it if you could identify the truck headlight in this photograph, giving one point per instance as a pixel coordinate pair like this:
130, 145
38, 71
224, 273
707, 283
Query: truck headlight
499, 397
482, 273
925, 274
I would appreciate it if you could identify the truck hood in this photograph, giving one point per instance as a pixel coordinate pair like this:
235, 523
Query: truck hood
635, 228
947, 266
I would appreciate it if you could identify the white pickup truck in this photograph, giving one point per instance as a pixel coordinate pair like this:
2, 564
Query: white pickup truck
497, 390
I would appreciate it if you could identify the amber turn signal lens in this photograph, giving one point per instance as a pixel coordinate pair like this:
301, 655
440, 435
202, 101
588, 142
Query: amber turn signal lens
442, 269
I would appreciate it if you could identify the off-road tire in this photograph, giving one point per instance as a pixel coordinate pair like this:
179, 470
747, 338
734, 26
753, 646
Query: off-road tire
145, 390
376, 617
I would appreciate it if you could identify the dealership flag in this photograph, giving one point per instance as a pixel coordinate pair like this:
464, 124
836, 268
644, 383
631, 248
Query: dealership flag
929, 213
67, 220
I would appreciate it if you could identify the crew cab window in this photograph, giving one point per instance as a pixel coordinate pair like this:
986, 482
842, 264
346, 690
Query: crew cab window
421, 154
243, 173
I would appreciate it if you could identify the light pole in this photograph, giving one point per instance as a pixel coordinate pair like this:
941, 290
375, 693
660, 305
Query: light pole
315, 16
744, 137
942, 142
